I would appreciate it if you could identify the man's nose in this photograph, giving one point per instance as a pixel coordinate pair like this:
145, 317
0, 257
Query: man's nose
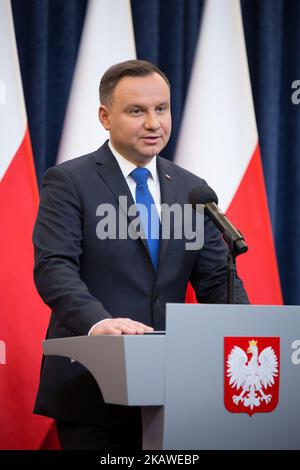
152, 122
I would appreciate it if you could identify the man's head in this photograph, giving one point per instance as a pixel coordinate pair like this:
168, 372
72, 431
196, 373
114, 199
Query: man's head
135, 108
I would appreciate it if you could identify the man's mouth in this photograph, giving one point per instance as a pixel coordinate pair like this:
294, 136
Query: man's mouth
151, 139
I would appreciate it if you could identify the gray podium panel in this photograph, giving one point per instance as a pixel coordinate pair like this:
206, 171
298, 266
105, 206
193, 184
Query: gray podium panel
195, 416
178, 378
129, 369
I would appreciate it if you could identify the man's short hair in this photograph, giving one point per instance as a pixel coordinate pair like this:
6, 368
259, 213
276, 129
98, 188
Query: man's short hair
129, 68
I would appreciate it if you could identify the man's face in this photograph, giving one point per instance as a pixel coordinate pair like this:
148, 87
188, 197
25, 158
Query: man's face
138, 117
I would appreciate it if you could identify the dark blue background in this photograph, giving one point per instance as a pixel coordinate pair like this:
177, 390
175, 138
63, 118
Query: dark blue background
48, 35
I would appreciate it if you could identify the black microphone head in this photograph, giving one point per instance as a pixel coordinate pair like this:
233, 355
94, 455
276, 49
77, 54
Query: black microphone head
202, 194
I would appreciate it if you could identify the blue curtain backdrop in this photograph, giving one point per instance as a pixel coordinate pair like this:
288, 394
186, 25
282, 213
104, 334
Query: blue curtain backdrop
48, 35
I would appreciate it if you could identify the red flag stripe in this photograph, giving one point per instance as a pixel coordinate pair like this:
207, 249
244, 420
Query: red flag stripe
250, 214
23, 315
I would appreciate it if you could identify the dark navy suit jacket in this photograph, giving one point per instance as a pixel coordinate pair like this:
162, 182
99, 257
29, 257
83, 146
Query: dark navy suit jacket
84, 279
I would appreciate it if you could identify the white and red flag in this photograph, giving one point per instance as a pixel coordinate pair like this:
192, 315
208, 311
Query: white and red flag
219, 142
23, 316
107, 38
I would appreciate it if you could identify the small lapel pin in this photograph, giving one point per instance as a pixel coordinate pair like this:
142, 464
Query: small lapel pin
168, 177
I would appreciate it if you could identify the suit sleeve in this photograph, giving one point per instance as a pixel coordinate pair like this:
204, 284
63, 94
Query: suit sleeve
209, 276
57, 239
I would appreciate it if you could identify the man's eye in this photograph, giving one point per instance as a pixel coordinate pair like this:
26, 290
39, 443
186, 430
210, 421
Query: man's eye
162, 108
135, 111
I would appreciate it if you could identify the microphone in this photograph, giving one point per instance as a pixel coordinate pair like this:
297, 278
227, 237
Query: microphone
205, 195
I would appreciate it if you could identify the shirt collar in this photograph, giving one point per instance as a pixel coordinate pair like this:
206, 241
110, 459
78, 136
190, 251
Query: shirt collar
127, 167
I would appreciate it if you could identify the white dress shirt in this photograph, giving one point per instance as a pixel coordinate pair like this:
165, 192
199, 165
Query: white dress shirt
153, 181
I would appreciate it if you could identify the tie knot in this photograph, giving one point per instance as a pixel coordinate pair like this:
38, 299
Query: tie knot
140, 175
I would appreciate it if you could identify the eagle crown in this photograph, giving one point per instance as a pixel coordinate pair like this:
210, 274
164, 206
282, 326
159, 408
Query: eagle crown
252, 346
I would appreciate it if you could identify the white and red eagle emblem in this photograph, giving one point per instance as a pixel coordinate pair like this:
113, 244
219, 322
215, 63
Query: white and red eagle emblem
251, 372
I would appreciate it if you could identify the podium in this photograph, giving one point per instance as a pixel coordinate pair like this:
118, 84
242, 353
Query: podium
178, 376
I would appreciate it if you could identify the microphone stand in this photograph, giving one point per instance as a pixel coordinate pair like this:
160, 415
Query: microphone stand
234, 251
231, 259
234, 239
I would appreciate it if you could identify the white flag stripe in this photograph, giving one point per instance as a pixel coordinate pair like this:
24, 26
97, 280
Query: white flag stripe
12, 109
217, 139
107, 38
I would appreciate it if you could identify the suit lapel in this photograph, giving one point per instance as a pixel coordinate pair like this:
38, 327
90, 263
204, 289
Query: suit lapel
110, 172
167, 189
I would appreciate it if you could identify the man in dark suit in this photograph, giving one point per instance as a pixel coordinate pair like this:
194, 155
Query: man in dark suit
116, 285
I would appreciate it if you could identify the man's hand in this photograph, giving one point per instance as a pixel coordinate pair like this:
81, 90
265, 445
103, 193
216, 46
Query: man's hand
118, 326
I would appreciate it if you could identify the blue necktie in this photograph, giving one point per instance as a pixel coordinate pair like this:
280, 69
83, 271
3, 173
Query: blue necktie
151, 225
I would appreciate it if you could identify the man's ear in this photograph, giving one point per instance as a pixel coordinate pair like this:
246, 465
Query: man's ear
104, 116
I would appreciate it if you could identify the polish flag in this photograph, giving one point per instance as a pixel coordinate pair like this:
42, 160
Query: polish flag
107, 38
219, 142
23, 316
